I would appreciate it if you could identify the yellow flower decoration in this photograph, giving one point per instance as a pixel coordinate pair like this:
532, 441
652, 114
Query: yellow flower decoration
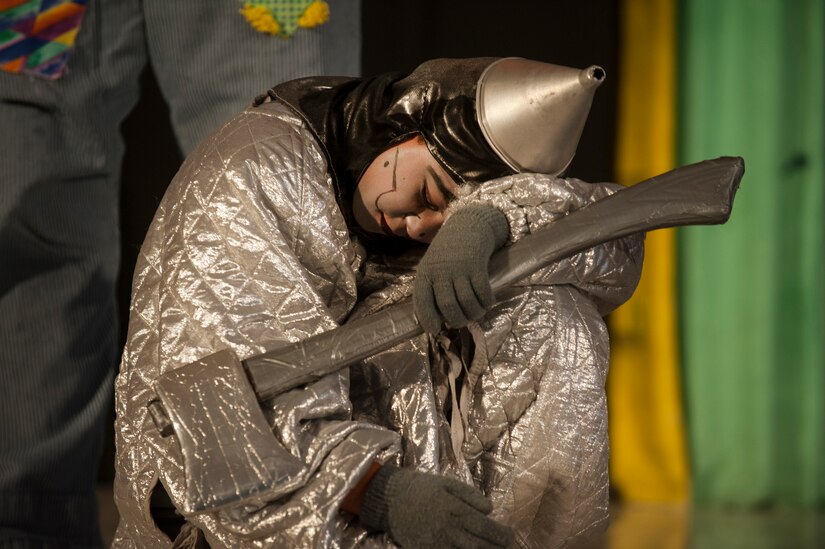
283, 17
316, 14
260, 19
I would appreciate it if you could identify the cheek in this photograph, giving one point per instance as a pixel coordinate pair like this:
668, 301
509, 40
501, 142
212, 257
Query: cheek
364, 191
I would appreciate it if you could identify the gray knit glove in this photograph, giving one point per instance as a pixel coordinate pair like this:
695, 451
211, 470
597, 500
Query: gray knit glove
452, 283
421, 510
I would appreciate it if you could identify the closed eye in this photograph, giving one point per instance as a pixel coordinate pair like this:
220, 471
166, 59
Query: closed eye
425, 198
446, 194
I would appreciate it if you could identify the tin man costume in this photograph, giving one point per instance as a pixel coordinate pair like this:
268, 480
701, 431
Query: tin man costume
254, 244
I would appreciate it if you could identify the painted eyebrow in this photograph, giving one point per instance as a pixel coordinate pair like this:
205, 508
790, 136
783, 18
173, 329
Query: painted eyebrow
445, 192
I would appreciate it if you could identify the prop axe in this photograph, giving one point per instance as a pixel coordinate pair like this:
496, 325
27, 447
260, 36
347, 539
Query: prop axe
229, 451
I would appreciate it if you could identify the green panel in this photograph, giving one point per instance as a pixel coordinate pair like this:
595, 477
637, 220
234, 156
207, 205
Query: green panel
44, 53
19, 12
7, 35
752, 300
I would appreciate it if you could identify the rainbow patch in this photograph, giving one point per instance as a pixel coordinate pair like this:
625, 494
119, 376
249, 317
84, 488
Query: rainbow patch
37, 36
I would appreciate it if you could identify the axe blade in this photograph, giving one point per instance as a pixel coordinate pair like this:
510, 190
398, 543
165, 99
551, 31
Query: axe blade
230, 453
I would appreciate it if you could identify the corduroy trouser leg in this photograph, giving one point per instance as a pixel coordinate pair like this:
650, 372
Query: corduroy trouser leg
60, 154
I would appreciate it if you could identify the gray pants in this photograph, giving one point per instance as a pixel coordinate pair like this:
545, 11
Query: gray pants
60, 154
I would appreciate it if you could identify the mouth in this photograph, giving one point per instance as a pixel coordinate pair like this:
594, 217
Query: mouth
385, 227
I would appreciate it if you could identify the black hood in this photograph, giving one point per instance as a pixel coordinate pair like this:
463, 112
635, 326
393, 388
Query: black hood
357, 119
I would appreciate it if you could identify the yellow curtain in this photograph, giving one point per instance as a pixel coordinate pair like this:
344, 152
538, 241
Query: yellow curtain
648, 460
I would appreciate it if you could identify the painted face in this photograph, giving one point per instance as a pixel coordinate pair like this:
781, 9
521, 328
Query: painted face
404, 193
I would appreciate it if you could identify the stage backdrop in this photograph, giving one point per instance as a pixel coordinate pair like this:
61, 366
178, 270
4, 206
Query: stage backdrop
648, 459
751, 84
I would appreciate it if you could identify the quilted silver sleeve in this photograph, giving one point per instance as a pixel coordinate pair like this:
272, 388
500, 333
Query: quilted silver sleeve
608, 273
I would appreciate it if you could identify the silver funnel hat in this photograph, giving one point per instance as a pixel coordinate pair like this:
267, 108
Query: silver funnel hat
532, 114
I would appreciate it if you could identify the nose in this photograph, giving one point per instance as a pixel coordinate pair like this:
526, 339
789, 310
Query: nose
424, 226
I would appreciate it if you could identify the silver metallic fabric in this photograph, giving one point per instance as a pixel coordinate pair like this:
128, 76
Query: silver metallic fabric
249, 249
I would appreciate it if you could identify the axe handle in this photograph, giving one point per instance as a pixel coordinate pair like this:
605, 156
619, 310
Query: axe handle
697, 194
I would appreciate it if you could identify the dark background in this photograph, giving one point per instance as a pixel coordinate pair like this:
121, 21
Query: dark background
398, 36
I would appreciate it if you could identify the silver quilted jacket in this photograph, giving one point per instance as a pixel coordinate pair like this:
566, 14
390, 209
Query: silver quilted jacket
248, 248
